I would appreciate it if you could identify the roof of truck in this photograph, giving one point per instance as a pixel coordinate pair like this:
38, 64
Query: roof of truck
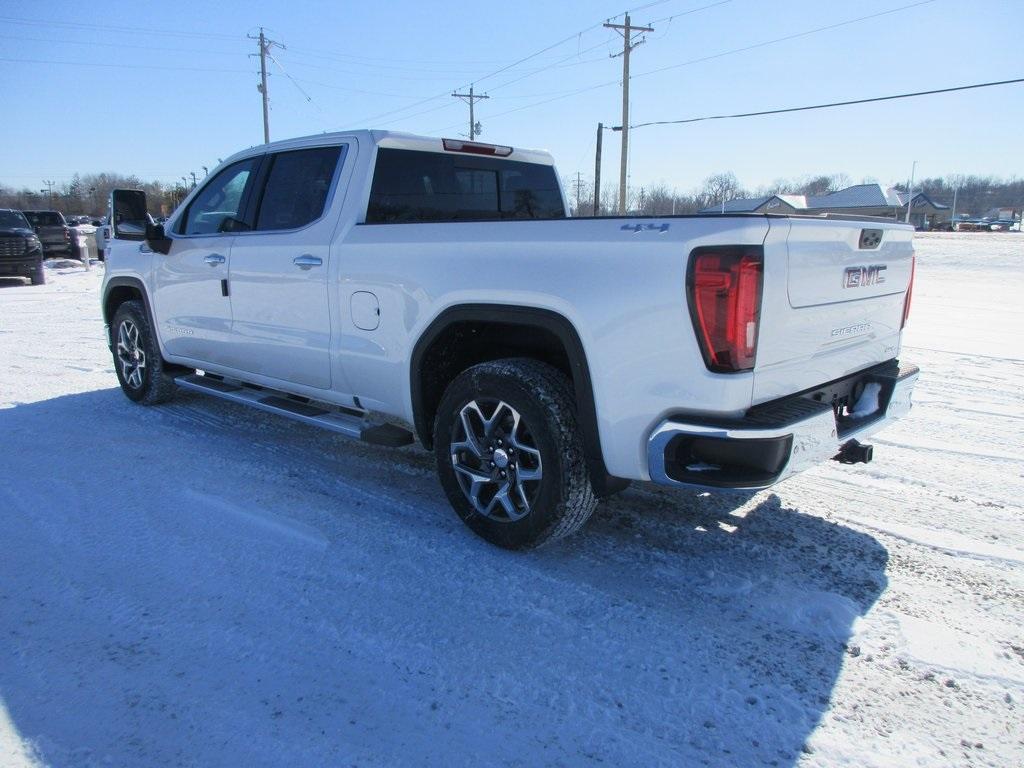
391, 140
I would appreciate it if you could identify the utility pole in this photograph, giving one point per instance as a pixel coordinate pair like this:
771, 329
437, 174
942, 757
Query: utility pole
597, 171
471, 99
193, 175
579, 192
49, 190
265, 44
626, 30
952, 218
910, 192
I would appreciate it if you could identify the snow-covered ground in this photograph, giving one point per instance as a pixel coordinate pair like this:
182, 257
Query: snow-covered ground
200, 584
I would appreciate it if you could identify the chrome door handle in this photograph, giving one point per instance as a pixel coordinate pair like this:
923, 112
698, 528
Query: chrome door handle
214, 259
306, 261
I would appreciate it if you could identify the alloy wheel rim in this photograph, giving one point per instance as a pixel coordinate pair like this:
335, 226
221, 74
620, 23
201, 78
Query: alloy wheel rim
496, 460
130, 354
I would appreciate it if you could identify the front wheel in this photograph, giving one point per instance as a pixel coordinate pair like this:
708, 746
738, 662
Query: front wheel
137, 361
38, 276
510, 453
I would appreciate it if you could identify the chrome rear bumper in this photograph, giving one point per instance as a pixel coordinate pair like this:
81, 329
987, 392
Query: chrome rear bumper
774, 441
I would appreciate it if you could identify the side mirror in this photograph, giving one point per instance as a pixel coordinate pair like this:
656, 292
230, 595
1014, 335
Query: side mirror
157, 239
130, 216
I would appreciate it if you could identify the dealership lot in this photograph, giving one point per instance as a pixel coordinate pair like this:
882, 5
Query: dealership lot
202, 584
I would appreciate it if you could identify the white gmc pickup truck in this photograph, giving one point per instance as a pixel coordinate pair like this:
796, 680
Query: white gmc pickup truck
393, 287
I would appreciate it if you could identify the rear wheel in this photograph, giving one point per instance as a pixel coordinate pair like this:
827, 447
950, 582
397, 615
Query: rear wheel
140, 369
510, 455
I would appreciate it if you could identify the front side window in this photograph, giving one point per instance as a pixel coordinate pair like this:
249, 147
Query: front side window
296, 188
218, 206
414, 186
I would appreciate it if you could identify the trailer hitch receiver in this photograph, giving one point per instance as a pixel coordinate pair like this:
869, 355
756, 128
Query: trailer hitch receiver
853, 452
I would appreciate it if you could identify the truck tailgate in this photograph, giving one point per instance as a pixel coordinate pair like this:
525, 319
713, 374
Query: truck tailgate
833, 301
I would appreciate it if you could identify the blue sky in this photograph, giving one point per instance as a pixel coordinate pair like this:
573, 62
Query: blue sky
162, 89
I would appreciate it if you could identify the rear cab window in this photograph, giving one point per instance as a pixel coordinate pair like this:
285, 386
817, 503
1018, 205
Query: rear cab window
415, 186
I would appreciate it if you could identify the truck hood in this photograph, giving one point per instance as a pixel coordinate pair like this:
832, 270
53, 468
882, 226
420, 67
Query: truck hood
15, 232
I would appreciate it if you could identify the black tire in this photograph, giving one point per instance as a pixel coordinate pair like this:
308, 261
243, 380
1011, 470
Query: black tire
562, 500
152, 384
38, 276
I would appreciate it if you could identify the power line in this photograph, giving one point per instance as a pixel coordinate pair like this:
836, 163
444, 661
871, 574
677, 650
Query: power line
294, 82
710, 57
101, 43
123, 66
109, 28
786, 38
335, 87
828, 106
687, 12
505, 68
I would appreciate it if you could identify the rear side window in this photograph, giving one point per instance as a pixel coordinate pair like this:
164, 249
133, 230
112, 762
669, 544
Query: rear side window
218, 206
412, 186
297, 187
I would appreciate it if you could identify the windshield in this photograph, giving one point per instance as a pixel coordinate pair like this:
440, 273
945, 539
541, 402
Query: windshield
13, 220
44, 218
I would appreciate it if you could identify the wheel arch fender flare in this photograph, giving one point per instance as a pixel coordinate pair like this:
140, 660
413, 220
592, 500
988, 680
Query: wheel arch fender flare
509, 314
115, 288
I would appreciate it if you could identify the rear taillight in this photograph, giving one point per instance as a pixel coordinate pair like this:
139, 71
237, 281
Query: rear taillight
724, 287
910, 290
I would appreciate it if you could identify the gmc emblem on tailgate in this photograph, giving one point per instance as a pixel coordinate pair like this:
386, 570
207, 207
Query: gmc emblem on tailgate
861, 277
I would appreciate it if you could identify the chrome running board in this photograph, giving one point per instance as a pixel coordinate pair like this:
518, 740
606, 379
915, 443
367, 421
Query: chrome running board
344, 421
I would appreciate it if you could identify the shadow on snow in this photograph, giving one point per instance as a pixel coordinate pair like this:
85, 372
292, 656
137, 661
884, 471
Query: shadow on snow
203, 584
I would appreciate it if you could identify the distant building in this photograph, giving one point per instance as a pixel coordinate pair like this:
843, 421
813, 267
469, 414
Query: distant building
768, 204
858, 200
925, 213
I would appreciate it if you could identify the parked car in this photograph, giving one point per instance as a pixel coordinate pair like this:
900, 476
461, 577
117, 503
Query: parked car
52, 230
21, 251
1002, 225
355, 280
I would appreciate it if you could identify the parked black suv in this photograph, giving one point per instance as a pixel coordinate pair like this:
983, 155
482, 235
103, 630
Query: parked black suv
21, 252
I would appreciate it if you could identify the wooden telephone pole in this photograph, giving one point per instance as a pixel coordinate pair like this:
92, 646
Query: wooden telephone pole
265, 44
627, 31
471, 98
